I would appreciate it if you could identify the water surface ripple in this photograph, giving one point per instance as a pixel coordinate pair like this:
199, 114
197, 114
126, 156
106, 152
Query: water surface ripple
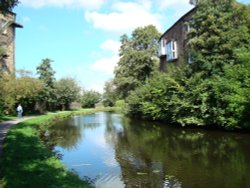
115, 152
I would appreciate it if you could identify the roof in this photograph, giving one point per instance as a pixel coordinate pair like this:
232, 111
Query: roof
13, 23
17, 25
185, 15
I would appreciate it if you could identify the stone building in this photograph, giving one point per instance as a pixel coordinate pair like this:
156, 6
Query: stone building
8, 26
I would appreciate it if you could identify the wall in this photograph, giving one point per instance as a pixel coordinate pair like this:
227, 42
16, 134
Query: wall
7, 43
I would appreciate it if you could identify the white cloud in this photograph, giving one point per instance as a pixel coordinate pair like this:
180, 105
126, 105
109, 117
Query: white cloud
105, 65
125, 17
25, 19
111, 45
87, 4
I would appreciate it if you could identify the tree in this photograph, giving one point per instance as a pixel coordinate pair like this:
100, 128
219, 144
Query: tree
215, 89
220, 29
110, 94
7, 5
67, 91
24, 89
90, 98
46, 75
137, 59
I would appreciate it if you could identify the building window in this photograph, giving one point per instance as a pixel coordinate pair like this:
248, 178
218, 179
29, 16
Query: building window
171, 50
162, 50
3, 26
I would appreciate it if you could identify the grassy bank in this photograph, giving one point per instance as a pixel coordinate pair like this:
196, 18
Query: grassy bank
6, 118
27, 162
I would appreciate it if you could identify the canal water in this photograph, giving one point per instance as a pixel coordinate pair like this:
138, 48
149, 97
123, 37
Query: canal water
112, 151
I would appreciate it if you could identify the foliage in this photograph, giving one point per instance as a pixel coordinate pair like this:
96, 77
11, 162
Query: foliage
90, 98
7, 5
46, 75
66, 91
137, 59
110, 94
214, 90
155, 99
23, 90
219, 30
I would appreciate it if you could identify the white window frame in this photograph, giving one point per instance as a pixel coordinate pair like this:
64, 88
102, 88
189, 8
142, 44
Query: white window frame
171, 50
162, 45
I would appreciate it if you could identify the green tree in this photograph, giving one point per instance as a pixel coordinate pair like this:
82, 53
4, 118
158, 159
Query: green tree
138, 55
214, 90
46, 75
110, 94
67, 91
7, 5
220, 29
90, 98
24, 89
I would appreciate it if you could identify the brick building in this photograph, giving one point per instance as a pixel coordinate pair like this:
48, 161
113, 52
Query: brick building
173, 43
8, 26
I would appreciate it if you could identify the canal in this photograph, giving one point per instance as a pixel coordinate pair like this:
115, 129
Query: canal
113, 151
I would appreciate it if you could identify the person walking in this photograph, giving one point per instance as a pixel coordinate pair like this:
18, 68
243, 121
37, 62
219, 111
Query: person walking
19, 111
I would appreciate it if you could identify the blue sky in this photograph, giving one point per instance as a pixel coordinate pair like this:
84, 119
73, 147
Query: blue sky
82, 36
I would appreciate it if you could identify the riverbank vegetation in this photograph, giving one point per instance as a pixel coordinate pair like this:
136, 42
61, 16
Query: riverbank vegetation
212, 91
42, 94
28, 162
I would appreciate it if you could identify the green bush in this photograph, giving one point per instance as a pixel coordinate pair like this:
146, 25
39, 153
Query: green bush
90, 98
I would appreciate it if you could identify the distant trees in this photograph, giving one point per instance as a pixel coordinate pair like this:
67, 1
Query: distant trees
46, 74
110, 94
90, 98
67, 91
41, 94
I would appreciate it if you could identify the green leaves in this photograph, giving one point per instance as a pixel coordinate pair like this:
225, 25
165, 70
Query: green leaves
90, 98
218, 29
7, 5
66, 91
137, 60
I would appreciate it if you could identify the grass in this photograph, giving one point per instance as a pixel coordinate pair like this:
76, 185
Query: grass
6, 118
28, 163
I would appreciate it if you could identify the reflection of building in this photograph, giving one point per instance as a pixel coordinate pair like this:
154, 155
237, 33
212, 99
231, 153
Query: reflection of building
7, 41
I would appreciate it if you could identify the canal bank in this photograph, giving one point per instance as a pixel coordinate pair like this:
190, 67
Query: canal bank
27, 161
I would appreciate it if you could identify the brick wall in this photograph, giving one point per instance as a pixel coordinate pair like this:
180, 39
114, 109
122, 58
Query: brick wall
178, 33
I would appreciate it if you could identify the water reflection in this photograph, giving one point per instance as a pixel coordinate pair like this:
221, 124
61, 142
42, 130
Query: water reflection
128, 153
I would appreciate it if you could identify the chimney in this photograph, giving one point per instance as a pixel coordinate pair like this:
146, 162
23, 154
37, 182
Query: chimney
193, 2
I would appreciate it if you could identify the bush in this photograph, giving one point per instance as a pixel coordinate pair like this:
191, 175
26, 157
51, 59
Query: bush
90, 98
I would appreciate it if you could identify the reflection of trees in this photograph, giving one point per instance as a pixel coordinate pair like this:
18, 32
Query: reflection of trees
68, 132
65, 134
88, 121
149, 155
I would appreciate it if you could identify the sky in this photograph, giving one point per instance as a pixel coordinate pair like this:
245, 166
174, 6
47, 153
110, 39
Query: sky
82, 37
